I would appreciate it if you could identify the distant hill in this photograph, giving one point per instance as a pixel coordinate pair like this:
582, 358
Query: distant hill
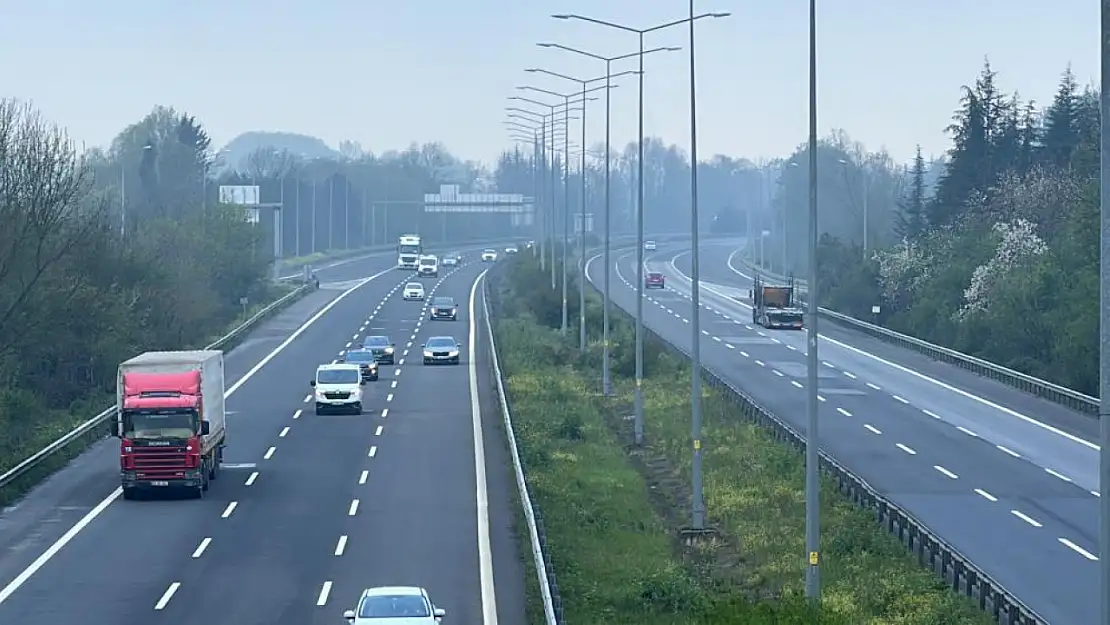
235, 153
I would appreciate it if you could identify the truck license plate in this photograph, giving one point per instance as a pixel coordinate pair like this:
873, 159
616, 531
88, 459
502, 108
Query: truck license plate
159, 483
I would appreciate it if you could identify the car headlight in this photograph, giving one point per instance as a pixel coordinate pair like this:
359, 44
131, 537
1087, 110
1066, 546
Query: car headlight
453, 353
389, 350
427, 354
356, 394
320, 395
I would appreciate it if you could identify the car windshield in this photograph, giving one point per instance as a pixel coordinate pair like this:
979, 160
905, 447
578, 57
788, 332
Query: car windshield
376, 341
655, 276
394, 606
359, 356
441, 341
414, 286
490, 252
337, 376
443, 301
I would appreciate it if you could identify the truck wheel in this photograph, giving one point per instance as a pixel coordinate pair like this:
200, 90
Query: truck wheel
214, 472
204, 480
129, 493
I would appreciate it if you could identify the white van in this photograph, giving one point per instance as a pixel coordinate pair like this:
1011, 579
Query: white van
427, 266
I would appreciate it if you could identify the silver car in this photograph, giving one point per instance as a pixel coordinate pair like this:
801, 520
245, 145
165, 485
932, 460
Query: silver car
395, 605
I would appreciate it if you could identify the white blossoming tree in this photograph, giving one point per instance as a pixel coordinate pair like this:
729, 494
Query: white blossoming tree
1017, 244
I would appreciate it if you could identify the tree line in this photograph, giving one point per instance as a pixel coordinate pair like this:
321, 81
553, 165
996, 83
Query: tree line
999, 257
109, 252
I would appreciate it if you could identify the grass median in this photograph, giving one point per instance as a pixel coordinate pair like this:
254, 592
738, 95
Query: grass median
612, 512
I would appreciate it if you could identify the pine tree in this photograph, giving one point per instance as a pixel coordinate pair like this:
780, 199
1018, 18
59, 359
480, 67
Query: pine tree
1061, 136
911, 221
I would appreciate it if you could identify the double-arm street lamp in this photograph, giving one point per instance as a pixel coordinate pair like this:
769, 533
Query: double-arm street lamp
606, 379
582, 169
566, 176
698, 499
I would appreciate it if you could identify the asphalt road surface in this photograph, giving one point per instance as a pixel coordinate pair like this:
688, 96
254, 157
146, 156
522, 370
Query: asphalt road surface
1007, 478
308, 510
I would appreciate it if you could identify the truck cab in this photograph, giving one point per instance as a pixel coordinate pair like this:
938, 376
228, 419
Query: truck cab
409, 249
774, 307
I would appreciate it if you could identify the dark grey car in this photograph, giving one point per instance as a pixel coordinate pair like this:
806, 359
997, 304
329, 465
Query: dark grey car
443, 308
381, 347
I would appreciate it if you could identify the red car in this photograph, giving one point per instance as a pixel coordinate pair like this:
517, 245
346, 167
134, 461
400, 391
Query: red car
655, 281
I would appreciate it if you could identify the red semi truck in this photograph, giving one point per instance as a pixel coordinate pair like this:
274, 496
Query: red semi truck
170, 421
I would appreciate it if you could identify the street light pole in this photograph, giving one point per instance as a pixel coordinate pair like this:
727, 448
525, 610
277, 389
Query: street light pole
698, 498
1104, 325
813, 484
638, 423
606, 376
566, 204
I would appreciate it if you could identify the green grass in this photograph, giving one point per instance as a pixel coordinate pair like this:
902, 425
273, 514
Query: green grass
612, 513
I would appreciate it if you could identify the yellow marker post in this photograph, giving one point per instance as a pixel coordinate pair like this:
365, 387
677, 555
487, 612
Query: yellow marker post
814, 558
697, 444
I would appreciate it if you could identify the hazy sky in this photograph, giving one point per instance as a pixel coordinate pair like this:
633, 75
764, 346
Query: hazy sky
386, 74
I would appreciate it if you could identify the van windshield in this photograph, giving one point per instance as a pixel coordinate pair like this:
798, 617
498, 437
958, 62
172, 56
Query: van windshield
337, 376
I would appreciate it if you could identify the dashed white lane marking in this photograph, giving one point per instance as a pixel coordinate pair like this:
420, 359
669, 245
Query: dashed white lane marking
1076, 548
269, 453
872, 429
930, 413
900, 399
1025, 517
1008, 450
200, 548
297, 414
908, 450
873, 386
353, 508
844, 412
389, 397
325, 591
847, 373
164, 600
778, 373
284, 431
373, 451
229, 509
341, 545
397, 372
348, 345
307, 398
797, 383
365, 475
1058, 475
378, 432
760, 363
385, 412
744, 354
967, 431
394, 385
251, 478
945, 472
985, 495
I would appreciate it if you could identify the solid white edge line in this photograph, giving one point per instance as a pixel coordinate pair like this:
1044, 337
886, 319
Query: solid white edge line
99, 509
485, 554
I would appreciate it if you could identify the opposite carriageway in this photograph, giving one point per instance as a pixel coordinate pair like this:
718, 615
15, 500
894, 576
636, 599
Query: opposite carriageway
955, 450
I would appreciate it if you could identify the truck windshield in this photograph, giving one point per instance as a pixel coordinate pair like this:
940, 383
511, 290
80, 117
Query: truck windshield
410, 249
337, 376
158, 424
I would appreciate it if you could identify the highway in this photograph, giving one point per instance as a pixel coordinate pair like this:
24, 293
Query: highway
308, 510
1005, 477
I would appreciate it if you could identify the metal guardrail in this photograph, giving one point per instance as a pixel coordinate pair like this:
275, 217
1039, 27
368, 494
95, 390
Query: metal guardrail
1035, 386
545, 573
100, 419
930, 550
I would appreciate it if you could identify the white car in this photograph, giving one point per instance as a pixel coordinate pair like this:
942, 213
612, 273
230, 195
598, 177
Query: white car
512, 249
414, 291
451, 260
488, 256
649, 246
338, 387
395, 605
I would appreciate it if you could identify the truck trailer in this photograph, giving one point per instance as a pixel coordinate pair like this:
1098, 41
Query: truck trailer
775, 306
170, 421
